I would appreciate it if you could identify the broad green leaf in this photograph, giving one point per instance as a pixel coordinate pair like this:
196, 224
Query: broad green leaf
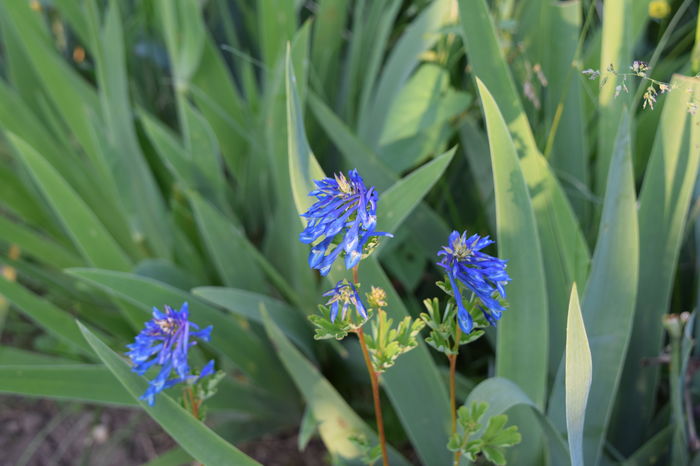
522, 347
419, 121
578, 378
663, 206
372, 24
120, 145
249, 305
191, 434
90, 237
184, 35
419, 36
224, 241
609, 299
243, 347
566, 257
303, 166
176, 456
80, 382
616, 50
654, 450
569, 150
52, 319
326, 45
337, 422
502, 395
10, 356
204, 153
277, 22
37, 245
397, 202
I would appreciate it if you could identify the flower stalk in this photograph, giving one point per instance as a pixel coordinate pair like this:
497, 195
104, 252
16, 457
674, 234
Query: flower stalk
374, 381
453, 402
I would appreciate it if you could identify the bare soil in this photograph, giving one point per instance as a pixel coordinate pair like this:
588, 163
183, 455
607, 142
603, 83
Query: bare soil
49, 433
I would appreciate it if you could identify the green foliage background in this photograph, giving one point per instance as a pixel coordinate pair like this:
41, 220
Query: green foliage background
160, 151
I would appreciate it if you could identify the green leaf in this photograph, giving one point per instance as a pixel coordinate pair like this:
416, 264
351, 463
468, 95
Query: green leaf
566, 257
578, 378
225, 240
337, 422
615, 49
303, 166
419, 36
397, 202
80, 382
52, 319
90, 236
247, 304
191, 434
37, 245
663, 206
136, 183
502, 395
609, 299
521, 352
174, 457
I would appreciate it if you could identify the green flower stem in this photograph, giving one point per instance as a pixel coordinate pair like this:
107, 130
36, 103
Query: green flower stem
374, 380
453, 403
375, 394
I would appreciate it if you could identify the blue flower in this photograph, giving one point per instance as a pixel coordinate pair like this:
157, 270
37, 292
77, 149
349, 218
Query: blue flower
346, 294
345, 207
484, 275
165, 341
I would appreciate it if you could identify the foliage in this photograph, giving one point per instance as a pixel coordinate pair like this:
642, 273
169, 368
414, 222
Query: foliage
161, 152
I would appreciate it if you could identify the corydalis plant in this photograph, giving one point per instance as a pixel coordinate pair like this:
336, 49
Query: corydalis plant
342, 221
165, 341
483, 277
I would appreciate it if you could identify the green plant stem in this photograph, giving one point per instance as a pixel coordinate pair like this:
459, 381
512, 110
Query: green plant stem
374, 381
679, 444
192, 404
375, 394
453, 396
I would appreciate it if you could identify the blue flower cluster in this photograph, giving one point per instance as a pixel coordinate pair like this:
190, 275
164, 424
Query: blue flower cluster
479, 272
345, 207
165, 341
345, 293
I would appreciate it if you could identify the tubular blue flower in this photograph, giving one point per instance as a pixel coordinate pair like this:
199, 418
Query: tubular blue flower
346, 294
479, 272
165, 341
346, 209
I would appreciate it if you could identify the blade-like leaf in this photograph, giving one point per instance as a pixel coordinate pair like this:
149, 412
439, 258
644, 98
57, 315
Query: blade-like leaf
566, 257
90, 237
608, 303
248, 305
52, 319
397, 202
663, 206
191, 434
80, 382
578, 378
521, 353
